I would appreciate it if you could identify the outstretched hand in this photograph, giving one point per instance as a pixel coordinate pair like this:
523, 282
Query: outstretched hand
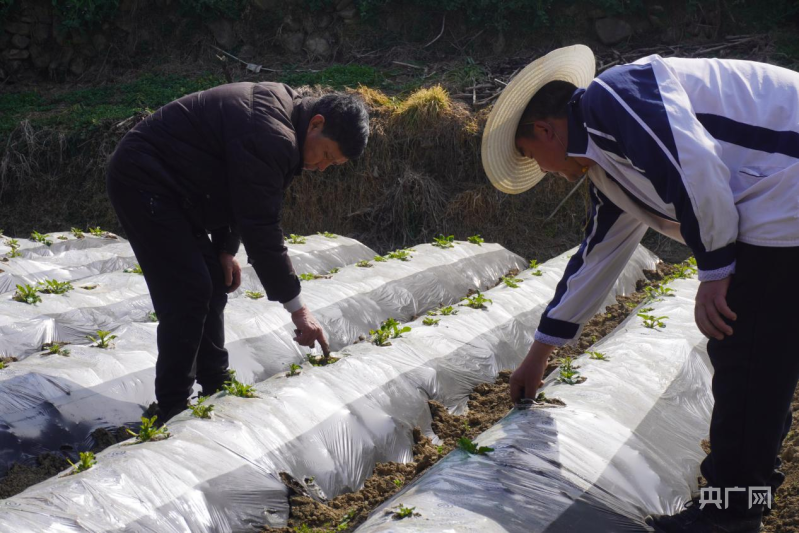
711, 307
309, 330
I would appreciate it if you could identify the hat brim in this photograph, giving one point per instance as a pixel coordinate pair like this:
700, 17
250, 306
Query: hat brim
507, 169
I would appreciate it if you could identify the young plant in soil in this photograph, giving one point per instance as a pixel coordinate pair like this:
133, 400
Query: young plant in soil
308, 277
255, 295
51, 286
398, 483
103, 339
38, 237
402, 255
476, 239
201, 409
656, 293
27, 295
390, 329
78, 234
403, 512
135, 269
511, 281
97, 231
321, 360
379, 259
598, 356
235, 387
444, 242
334, 270
327, 234
478, 301
294, 370
296, 239
2, 365
534, 268
149, 432
568, 374
428, 321
86, 461
652, 322
364, 264
152, 317
466, 444
448, 310
14, 252
57, 349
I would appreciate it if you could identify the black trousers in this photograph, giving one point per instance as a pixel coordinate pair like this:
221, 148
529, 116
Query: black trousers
187, 287
755, 374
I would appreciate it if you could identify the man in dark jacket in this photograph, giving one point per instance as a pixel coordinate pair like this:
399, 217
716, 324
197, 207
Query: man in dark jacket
219, 161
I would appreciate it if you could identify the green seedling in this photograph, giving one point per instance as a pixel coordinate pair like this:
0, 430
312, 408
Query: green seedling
444, 242
86, 461
402, 255
51, 286
2, 365
478, 301
466, 444
38, 237
568, 373
103, 339
200, 409
598, 356
334, 270
655, 293
89, 287
148, 431
235, 387
309, 277
364, 264
630, 305
27, 295
379, 259
432, 312
440, 449
327, 234
321, 360
296, 239
398, 483
97, 231
404, 512
653, 322
152, 317
135, 269
646, 309
294, 370
431, 321
63, 238
304, 528
77, 233
255, 295
476, 239
57, 349
534, 268
511, 281
14, 244
541, 398
448, 310
344, 525
684, 271
390, 329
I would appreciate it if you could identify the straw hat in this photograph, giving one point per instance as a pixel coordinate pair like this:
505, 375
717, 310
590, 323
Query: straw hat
508, 170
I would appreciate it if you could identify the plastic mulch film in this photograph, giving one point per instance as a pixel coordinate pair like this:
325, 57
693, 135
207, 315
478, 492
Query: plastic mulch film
48, 401
332, 423
626, 444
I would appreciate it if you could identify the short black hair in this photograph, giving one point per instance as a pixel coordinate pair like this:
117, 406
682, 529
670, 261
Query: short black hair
550, 101
346, 122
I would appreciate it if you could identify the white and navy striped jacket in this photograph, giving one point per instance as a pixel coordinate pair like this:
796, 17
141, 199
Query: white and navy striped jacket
707, 146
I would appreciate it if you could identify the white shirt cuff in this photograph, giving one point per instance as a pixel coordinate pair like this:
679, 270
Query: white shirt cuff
293, 305
717, 274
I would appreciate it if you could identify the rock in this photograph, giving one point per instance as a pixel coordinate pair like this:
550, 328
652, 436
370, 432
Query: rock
317, 45
612, 30
309, 23
292, 41
77, 66
348, 14
77, 37
789, 454
324, 20
291, 23
20, 28
40, 56
247, 52
641, 26
343, 4
40, 32
657, 9
224, 33
15, 55
20, 41
656, 22
99, 42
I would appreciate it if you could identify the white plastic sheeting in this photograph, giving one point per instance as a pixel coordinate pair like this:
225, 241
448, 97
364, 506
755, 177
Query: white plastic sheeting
50, 401
332, 423
625, 445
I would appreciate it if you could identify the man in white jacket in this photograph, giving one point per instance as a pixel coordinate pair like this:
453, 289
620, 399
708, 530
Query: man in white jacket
707, 152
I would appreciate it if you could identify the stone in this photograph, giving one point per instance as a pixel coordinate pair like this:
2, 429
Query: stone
224, 33
20, 41
309, 23
15, 55
99, 42
612, 30
40, 57
20, 28
657, 9
292, 23
348, 14
656, 22
292, 41
343, 4
77, 66
324, 20
318, 45
641, 26
40, 32
247, 52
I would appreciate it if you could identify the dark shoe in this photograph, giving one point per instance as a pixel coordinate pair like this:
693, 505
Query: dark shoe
164, 413
708, 520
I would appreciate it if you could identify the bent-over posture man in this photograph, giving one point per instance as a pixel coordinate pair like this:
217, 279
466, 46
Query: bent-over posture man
707, 152
219, 161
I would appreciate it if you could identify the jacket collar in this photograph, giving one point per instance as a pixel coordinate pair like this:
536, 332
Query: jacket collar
300, 118
577, 143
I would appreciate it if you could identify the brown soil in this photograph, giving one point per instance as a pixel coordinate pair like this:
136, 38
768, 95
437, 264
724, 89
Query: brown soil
21, 476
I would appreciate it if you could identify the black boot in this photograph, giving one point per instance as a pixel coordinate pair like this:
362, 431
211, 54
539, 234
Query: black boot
692, 519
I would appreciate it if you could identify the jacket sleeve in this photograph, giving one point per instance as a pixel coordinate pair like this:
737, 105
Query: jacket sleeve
611, 237
226, 239
641, 114
257, 166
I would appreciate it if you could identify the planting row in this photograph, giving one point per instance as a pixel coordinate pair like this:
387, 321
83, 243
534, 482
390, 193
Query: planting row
625, 444
53, 399
326, 427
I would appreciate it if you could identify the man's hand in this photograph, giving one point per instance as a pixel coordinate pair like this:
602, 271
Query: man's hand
231, 270
524, 382
309, 330
711, 304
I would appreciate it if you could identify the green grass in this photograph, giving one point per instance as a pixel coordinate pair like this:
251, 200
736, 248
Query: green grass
337, 76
